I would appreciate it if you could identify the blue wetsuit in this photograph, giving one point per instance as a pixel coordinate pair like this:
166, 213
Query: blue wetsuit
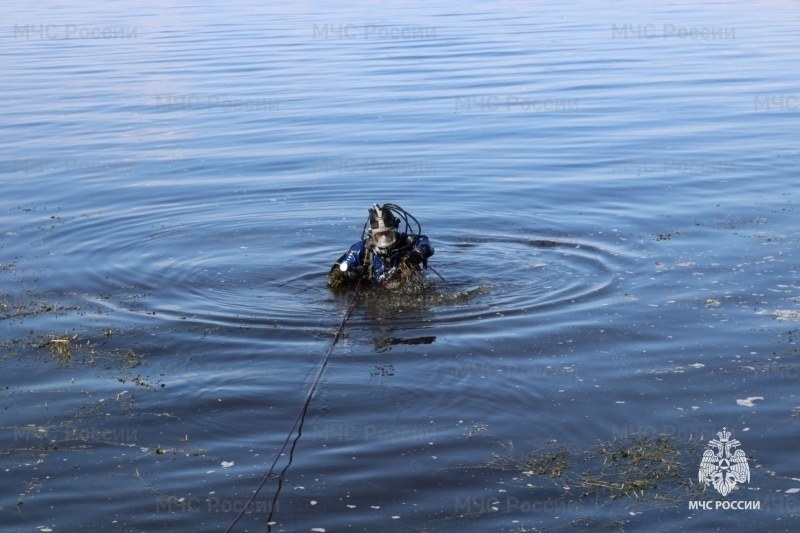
383, 265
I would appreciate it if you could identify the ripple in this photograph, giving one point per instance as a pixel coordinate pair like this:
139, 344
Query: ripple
238, 283
497, 276
264, 263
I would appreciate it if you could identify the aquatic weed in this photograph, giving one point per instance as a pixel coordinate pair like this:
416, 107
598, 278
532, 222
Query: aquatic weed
641, 467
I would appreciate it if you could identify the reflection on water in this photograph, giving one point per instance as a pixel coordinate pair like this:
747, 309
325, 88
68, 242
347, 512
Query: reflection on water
385, 344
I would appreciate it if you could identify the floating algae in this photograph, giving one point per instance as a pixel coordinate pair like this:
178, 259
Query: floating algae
405, 277
643, 468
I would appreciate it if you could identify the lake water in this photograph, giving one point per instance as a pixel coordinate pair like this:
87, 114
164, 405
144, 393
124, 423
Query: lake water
611, 190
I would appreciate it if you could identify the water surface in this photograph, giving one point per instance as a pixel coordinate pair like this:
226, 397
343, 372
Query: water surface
611, 191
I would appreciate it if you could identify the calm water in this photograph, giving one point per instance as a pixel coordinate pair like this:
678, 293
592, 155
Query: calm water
612, 194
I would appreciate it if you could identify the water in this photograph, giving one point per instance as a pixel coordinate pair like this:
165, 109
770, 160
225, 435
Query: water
611, 191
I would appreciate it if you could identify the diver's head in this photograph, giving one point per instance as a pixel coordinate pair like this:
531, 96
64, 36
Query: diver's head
383, 226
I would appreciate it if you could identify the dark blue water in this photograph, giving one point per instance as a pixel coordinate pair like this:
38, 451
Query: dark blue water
611, 190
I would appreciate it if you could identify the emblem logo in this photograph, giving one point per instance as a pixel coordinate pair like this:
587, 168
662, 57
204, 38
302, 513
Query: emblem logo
723, 465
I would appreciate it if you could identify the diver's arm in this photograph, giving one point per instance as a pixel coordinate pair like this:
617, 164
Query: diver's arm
421, 250
350, 264
422, 245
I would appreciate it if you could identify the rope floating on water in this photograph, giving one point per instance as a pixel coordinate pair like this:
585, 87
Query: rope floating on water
303, 409
437, 273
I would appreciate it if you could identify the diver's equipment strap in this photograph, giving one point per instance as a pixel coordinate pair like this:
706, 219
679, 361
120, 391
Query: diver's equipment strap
368, 259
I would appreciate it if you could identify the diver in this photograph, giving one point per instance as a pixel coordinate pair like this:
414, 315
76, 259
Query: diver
383, 256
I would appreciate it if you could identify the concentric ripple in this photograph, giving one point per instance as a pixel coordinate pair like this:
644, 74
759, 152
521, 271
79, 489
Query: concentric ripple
503, 276
198, 264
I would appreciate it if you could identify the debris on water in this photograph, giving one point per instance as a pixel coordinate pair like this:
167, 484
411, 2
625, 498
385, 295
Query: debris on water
748, 402
226, 464
640, 467
477, 429
387, 370
784, 314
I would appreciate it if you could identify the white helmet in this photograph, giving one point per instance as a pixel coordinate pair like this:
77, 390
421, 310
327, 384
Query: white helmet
382, 226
